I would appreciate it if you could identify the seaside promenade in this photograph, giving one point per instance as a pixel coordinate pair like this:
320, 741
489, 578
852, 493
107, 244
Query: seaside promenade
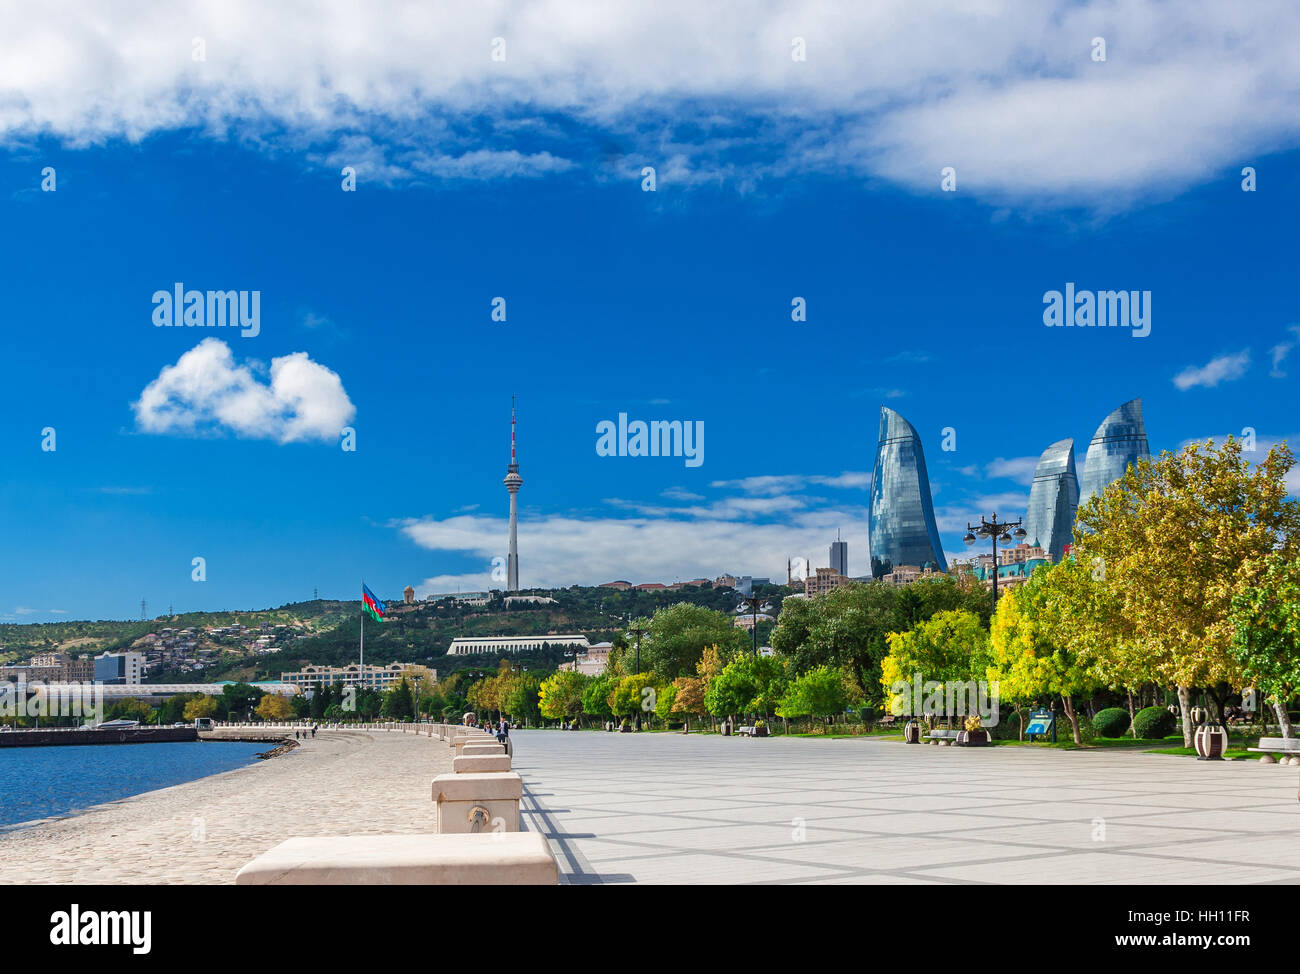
681, 809
338, 783
673, 808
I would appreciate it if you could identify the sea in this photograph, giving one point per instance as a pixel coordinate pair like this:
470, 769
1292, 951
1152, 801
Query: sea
41, 782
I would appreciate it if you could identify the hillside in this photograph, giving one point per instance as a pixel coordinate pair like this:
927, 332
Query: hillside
327, 632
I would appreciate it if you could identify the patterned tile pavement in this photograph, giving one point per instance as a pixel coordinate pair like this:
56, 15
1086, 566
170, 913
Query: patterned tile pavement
673, 808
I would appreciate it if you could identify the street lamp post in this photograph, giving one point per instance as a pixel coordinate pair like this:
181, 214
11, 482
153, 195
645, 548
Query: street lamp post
996, 531
752, 601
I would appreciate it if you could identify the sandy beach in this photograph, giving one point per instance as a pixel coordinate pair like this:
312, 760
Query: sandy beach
338, 783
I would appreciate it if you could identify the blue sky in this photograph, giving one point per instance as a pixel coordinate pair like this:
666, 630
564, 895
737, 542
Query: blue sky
376, 305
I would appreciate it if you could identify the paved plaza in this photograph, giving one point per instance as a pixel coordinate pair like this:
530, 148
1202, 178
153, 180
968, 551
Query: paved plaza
673, 808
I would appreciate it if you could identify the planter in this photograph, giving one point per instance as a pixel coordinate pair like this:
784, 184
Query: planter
1211, 741
975, 738
760, 732
912, 732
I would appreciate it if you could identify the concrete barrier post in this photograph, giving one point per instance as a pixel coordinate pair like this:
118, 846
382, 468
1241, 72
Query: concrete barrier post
477, 802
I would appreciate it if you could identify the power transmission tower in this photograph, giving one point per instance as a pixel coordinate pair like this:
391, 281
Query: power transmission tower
142, 608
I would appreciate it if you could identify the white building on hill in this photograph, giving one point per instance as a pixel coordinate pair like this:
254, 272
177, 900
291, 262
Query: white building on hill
474, 645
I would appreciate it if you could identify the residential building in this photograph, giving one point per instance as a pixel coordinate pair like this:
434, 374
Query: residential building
367, 676
907, 574
824, 580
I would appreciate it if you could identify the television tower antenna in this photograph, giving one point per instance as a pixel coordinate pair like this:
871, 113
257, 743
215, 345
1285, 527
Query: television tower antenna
512, 483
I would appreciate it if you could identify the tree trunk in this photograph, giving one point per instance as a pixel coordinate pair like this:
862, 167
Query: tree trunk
1132, 717
1220, 701
1283, 718
1020, 713
1074, 718
1185, 706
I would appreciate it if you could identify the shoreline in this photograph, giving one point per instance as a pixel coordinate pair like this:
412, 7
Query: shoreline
203, 830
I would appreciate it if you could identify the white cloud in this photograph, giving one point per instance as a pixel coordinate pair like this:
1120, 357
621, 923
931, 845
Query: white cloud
206, 391
1019, 469
558, 550
1280, 351
1225, 368
1004, 91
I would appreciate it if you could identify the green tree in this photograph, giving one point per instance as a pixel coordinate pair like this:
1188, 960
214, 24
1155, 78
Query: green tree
747, 684
595, 697
665, 698
521, 702
131, 708
1266, 632
677, 635
819, 692
398, 703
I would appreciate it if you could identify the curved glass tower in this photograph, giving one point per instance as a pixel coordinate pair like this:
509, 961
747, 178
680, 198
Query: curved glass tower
1053, 499
1120, 440
902, 529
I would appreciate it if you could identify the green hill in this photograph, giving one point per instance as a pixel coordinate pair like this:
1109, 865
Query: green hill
328, 631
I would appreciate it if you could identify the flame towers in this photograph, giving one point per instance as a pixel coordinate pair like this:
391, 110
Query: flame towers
1053, 500
1120, 440
902, 529
513, 482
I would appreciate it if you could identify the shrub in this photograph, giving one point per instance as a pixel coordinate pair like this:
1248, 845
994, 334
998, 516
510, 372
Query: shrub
1008, 726
1111, 722
1154, 723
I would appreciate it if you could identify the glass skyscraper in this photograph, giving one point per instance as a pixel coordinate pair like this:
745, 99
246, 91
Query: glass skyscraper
902, 529
1120, 440
1053, 499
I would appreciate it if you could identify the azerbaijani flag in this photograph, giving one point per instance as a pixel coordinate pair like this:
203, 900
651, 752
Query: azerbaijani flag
370, 605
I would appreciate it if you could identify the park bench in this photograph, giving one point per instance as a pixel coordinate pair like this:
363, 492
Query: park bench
942, 735
1269, 746
887, 721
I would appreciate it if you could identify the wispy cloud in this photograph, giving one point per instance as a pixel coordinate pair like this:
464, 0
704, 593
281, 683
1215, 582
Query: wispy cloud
785, 483
1225, 368
1019, 469
1281, 350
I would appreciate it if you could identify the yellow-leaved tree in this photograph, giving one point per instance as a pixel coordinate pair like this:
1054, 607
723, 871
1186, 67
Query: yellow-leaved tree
1170, 544
1032, 646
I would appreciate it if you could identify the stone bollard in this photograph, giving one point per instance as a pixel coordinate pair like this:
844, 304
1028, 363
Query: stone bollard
478, 802
481, 764
481, 750
501, 859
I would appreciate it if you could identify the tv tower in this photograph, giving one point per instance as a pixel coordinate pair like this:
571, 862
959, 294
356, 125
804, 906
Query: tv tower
513, 482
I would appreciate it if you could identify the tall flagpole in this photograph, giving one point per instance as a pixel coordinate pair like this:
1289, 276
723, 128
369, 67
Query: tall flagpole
363, 627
